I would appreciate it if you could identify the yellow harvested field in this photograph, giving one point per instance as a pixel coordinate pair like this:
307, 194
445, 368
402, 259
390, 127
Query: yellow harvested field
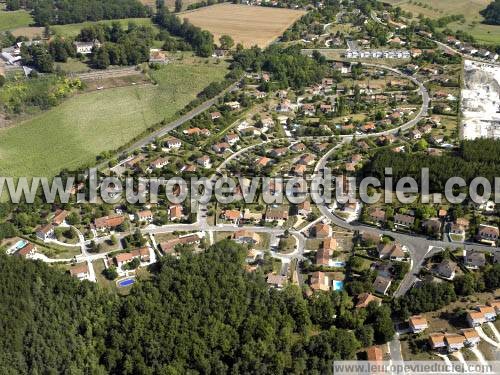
248, 25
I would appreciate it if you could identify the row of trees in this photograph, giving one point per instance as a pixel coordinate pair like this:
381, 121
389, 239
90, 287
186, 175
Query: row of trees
201, 41
491, 13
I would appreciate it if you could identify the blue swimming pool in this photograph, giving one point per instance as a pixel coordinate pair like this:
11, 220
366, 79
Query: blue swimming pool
338, 285
20, 244
126, 282
337, 263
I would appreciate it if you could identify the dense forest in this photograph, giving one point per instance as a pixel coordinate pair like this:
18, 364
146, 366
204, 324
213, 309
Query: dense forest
60, 12
491, 13
199, 314
474, 158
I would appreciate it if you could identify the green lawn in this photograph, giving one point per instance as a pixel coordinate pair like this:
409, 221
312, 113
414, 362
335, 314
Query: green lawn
13, 20
73, 29
76, 131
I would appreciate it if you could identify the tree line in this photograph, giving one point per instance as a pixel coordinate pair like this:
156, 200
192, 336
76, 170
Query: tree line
491, 13
60, 12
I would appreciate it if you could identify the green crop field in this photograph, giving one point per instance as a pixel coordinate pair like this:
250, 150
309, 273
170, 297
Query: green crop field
76, 131
489, 34
13, 20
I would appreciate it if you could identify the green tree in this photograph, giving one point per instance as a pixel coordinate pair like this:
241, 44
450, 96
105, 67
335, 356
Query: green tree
226, 42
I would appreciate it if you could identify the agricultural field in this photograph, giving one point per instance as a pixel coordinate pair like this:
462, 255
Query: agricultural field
75, 132
249, 25
13, 20
440, 8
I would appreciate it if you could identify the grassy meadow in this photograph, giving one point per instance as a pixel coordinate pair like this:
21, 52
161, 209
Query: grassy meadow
75, 132
14, 20
488, 34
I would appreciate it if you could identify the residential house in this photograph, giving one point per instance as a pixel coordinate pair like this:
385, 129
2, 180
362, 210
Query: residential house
320, 147
233, 105
364, 299
168, 247
369, 127
309, 109
80, 271
157, 57
108, 222
436, 341
145, 215
172, 143
60, 217
158, 163
215, 115
204, 161
232, 215
298, 147
382, 284
374, 354
232, 138
246, 236
378, 215
299, 169
322, 230
85, 48
446, 269
276, 281
471, 337
45, 232
488, 234
404, 220
197, 131
123, 258
263, 161
415, 134
278, 152
319, 281
488, 312
454, 342
391, 251
26, 251
277, 214
175, 212
475, 318
418, 323
474, 259
220, 148
304, 208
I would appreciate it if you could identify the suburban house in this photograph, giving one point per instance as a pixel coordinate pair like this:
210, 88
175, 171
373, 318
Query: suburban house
374, 354
277, 214
233, 105
172, 142
215, 115
175, 212
26, 251
108, 222
197, 131
392, 251
80, 271
157, 57
231, 138
158, 163
436, 341
304, 208
404, 220
60, 217
322, 230
124, 258
475, 318
378, 215
220, 148
145, 215
382, 284
471, 336
276, 281
457, 230
204, 161
454, 342
232, 215
446, 269
263, 161
365, 299
298, 147
85, 48
45, 232
418, 323
168, 247
246, 236
474, 259
488, 312
488, 234
319, 281
496, 305
278, 152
